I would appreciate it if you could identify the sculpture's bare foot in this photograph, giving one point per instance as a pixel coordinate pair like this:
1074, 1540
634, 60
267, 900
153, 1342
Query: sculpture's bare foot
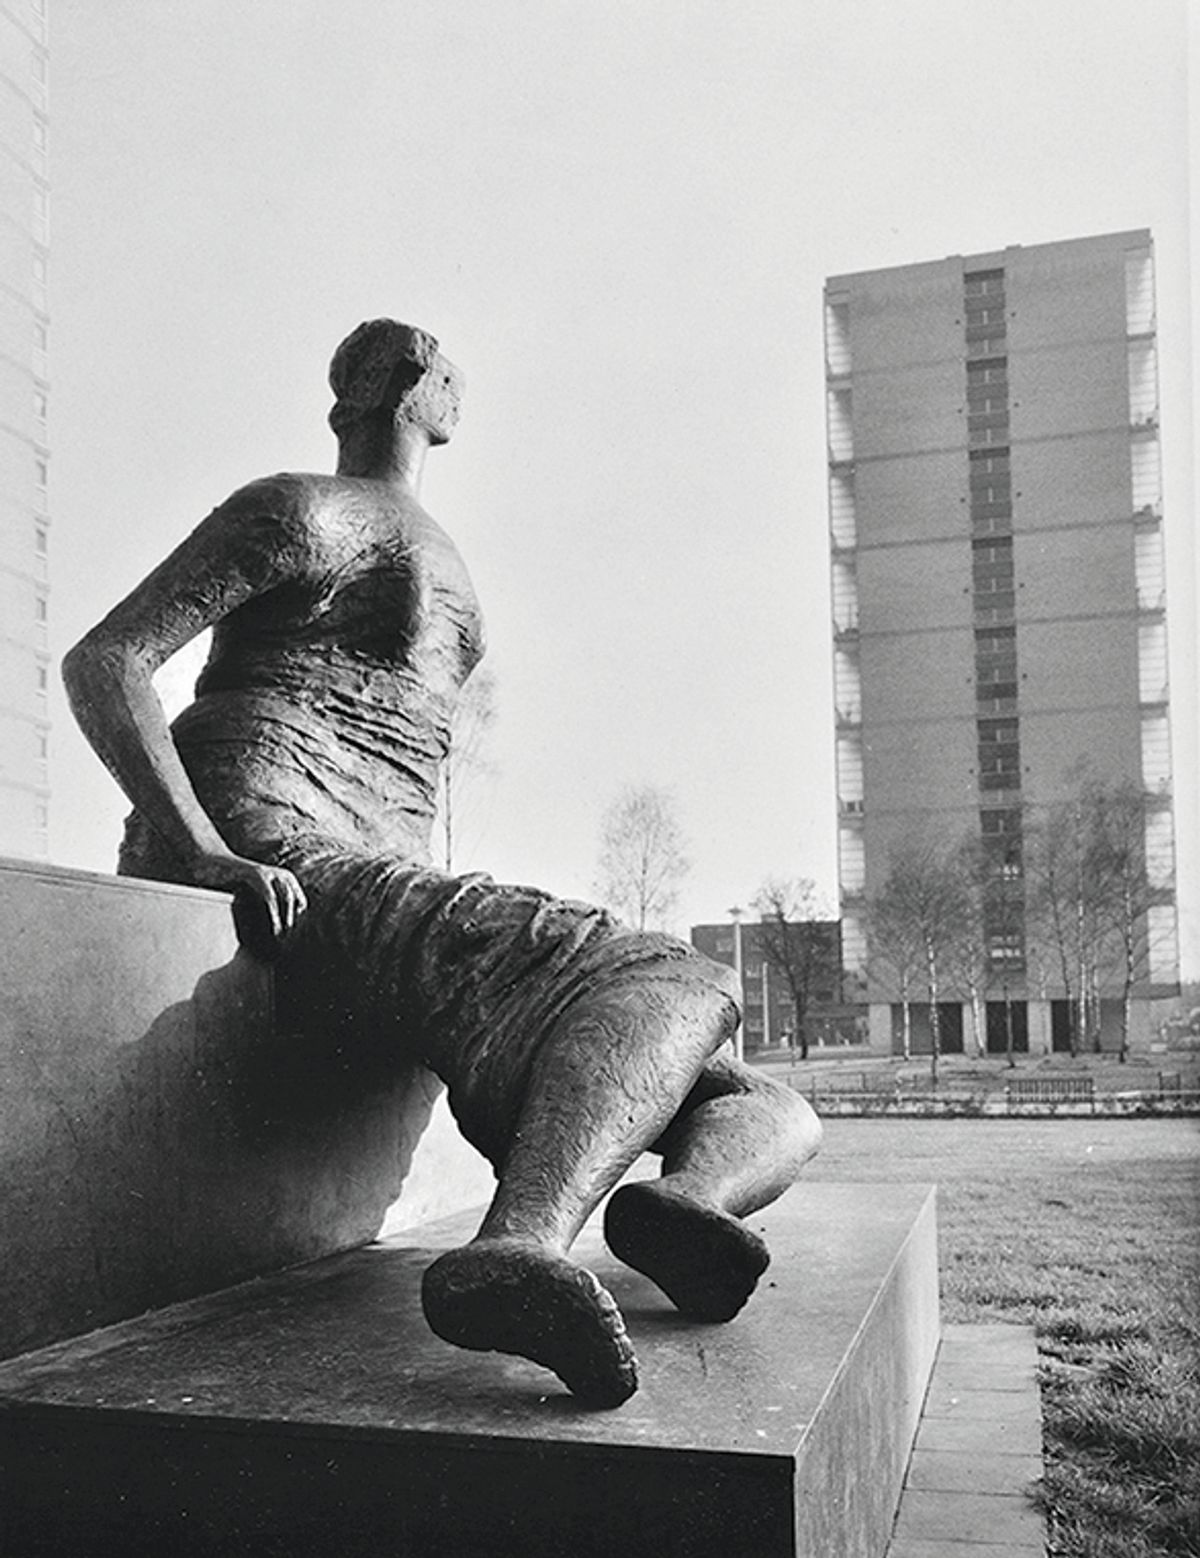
706, 1262
507, 1295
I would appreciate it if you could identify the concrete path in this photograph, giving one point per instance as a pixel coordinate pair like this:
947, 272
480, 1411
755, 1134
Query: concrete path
978, 1452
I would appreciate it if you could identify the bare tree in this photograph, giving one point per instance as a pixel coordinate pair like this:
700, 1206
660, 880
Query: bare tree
920, 906
1073, 877
466, 758
643, 857
1123, 889
987, 940
968, 959
894, 952
794, 936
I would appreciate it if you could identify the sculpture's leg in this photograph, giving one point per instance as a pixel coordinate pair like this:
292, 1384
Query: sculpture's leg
738, 1142
606, 1081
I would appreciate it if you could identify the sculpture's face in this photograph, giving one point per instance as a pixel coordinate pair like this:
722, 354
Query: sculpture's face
435, 400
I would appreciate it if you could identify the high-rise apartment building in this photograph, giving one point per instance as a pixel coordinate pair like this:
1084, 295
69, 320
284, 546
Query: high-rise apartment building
24, 455
998, 601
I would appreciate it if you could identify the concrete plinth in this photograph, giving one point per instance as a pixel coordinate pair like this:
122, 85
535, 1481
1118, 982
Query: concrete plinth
159, 1135
313, 1413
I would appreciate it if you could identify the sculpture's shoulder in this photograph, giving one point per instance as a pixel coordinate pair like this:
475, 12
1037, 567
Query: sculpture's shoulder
291, 518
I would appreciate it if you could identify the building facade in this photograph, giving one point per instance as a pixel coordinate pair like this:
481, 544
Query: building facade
768, 1008
24, 451
998, 601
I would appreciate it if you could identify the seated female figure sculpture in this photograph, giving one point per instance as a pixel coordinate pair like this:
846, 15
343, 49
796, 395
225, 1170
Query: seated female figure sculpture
303, 779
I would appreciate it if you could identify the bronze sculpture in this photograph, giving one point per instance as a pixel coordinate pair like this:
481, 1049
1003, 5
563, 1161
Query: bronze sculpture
302, 777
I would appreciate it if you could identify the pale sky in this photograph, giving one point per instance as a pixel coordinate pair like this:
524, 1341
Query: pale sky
616, 216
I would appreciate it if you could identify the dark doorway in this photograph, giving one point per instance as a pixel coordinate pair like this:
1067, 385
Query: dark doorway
999, 1014
950, 1028
1062, 1021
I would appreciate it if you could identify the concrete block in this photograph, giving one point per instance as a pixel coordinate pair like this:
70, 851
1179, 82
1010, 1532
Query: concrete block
313, 1412
158, 1137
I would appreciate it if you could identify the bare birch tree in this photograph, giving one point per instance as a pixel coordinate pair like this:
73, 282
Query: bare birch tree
793, 934
1123, 888
643, 856
1082, 864
921, 904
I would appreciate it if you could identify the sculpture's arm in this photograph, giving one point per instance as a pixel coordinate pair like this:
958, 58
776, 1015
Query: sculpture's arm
237, 553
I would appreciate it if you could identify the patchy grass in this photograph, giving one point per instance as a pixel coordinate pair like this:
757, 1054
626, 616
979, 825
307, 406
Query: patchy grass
1088, 1229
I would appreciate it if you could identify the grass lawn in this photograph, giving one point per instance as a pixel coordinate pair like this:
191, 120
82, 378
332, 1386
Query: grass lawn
1088, 1229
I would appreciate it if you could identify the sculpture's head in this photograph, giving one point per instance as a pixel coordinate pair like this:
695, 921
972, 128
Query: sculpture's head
389, 370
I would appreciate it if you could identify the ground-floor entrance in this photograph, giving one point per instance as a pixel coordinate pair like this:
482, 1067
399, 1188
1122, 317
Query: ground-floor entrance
920, 1028
1007, 1028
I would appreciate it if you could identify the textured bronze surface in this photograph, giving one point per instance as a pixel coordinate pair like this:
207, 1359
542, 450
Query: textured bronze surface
303, 778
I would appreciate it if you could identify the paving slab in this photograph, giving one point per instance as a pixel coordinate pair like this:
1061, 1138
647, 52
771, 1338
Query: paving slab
947, 1471
918, 1548
1008, 1519
993, 1406
978, 1436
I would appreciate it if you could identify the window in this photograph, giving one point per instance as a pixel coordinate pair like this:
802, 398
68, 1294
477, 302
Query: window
41, 336
991, 550
982, 398
40, 608
993, 430
996, 731
41, 540
991, 370
989, 462
43, 744
41, 473
40, 405
43, 678
983, 283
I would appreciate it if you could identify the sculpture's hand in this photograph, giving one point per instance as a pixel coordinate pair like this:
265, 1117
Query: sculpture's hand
268, 900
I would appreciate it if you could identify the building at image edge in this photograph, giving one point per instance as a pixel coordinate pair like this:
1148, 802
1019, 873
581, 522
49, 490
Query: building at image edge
24, 452
998, 589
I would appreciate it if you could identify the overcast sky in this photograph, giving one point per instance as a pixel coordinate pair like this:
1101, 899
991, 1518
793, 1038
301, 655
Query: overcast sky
616, 216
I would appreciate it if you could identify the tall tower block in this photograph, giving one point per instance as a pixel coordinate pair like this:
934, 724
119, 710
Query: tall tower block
998, 586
